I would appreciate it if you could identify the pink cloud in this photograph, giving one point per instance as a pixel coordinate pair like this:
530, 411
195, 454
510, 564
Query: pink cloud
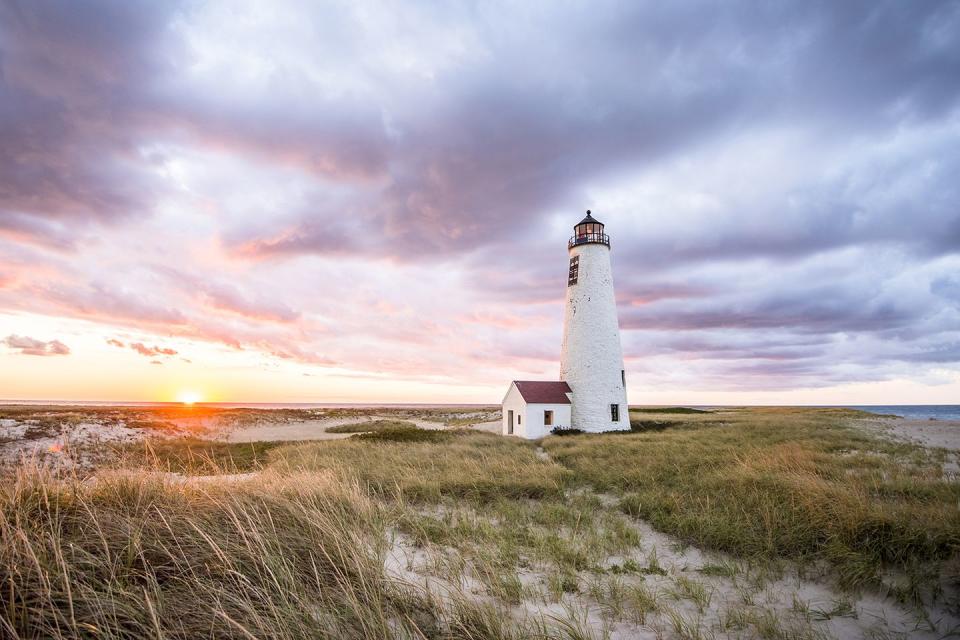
150, 352
99, 301
33, 347
230, 299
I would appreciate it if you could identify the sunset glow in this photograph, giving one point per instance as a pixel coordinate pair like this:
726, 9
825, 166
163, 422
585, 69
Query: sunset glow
375, 206
189, 397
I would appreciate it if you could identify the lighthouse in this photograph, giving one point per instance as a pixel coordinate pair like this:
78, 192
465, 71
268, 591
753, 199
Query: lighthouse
591, 394
591, 361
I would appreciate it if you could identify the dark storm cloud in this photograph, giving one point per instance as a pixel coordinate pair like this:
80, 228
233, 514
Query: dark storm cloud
86, 88
519, 133
70, 75
492, 145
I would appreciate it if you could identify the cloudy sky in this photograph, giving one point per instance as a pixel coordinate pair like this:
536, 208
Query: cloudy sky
353, 201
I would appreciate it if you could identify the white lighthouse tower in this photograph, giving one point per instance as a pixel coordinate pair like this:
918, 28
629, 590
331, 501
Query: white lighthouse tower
591, 394
591, 361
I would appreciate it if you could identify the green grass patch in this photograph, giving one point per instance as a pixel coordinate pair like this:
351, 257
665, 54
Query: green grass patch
371, 425
405, 434
673, 410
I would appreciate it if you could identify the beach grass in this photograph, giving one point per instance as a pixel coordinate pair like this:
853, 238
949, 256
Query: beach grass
799, 484
466, 464
192, 456
472, 535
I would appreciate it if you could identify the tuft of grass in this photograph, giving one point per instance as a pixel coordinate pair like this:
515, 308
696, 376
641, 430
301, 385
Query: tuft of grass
641, 601
723, 569
687, 589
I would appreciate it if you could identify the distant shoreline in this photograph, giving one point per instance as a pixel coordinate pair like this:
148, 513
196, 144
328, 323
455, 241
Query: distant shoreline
915, 411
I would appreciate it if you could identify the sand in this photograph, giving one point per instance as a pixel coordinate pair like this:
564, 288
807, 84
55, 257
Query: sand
782, 590
77, 446
943, 434
73, 446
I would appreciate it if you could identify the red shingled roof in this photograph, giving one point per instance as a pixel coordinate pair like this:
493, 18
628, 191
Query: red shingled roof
543, 391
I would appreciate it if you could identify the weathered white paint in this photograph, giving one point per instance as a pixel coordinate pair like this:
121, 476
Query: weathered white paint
531, 416
591, 360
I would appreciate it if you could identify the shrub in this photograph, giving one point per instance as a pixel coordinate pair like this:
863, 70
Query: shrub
405, 434
650, 425
371, 425
683, 410
566, 431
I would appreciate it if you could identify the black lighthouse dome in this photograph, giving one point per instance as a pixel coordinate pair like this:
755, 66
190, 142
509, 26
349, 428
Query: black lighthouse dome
588, 231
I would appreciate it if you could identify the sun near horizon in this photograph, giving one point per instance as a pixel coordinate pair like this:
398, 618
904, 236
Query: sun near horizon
189, 397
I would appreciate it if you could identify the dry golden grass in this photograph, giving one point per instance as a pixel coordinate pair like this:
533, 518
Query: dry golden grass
298, 548
468, 464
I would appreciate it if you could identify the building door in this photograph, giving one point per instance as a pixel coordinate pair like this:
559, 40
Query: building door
510, 422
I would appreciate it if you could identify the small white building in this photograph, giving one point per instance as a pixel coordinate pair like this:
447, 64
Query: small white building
532, 409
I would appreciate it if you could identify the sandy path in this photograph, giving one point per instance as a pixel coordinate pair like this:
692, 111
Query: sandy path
780, 589
944, 434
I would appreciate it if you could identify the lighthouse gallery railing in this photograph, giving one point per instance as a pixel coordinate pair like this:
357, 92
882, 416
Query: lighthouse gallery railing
589, 238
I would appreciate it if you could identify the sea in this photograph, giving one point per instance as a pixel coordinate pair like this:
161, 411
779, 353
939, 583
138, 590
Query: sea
914, 411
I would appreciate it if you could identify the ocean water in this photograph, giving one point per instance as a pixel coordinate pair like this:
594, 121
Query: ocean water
917, 411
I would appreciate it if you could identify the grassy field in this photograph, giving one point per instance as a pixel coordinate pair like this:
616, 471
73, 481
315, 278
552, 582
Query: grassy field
784, 483
765, 523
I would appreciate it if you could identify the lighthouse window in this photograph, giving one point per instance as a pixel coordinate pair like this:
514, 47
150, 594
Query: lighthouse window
548, 418
615, 412
574, 271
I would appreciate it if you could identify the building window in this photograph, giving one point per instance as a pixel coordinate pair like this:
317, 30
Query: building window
548, 418
518, 418
615, 412
623, 378
574, 271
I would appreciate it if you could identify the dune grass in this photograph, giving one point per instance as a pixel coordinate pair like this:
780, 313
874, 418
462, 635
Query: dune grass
302, 548
467, 465
292, 555
782, 483
193, 456
136, 556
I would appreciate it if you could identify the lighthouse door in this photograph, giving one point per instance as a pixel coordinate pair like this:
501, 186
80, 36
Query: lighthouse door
510, 422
